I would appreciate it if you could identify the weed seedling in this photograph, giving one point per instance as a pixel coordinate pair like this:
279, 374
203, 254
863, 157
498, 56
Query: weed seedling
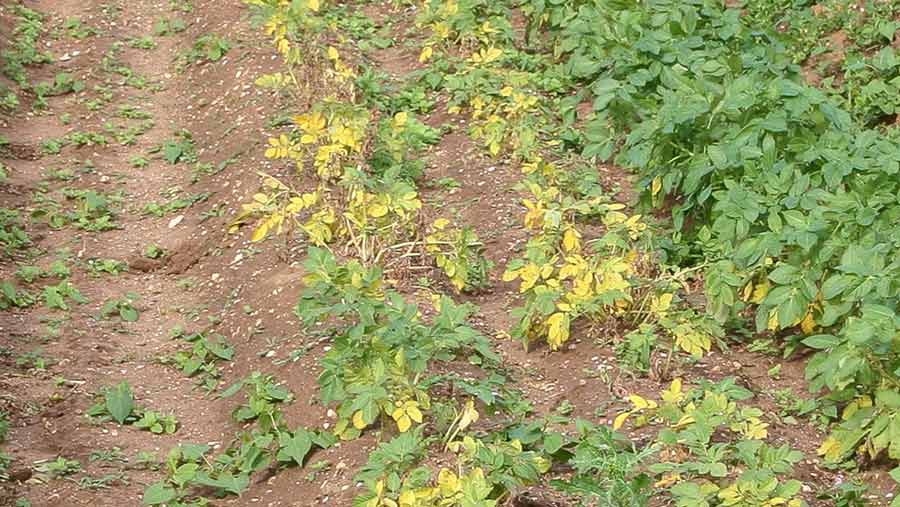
60, 467
154, 251
123, 308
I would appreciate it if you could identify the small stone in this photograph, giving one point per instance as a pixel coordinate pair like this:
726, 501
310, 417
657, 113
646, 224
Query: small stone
175, 221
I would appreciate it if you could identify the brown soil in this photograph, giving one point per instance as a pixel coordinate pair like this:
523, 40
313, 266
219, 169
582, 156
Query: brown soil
210, 280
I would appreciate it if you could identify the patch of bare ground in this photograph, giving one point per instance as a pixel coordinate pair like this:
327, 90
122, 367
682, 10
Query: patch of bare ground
207, 281
219, 283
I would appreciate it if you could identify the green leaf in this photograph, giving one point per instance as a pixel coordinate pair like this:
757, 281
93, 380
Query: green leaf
889, 398
220, 349
553, 442
294, 447
119, 402
54, 299
172, 152
821, 341
193, 452
158, 493
784, 274
323, 439
128, 313
895, 474
835, 285
185, 473
226, 482
232, 389
718, 156
718, 470
791, 311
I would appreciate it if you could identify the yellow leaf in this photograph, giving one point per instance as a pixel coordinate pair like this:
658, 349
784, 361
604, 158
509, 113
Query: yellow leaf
448, 482
656, 185
407, 498
614, 217
760, 292
425, 55
620, 420
685, 420
529, 275
377, 210
404, 423
673, 393
808, 324
772, 324
310, 198
400, 118
509, 276
747, 292
570, 239
557, 329
332, 53
414, 413
692, 342
640, 403
830, 449
492, 54
313, 5
667, 480
358, 421
662, 304
546, 270
261, 231
755, 429
469, 415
